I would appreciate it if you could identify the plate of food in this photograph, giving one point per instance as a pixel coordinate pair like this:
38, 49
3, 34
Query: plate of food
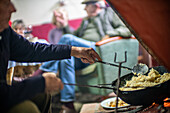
111, 103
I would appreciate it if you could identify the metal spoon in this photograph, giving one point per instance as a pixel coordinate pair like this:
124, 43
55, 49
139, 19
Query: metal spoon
138, 69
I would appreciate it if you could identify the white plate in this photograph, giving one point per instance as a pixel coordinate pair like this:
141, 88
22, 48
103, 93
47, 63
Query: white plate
105, 103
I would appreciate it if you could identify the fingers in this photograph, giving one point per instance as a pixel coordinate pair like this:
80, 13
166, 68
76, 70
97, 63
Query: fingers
59, 19
52, 83
85, 60
87, 55
90, 56
95, 55
59, 86
56, 13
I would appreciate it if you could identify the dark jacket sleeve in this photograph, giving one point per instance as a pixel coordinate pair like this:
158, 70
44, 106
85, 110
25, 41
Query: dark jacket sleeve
23, 50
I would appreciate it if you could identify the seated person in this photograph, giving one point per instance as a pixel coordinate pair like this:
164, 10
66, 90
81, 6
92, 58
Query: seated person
101, 21
56, 33
24, 70
18, 26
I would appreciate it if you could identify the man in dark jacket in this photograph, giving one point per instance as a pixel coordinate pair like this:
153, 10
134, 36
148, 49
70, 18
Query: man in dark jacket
16, 48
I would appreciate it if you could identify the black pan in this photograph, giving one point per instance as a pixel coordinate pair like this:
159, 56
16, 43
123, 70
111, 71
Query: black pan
144, 96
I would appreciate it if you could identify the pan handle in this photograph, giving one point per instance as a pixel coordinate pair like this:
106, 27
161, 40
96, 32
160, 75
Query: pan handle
95, 86
115, 65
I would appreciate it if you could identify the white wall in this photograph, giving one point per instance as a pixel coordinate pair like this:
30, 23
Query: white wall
40, 11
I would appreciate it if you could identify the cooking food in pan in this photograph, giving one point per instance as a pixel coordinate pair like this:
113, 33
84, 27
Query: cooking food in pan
145, 96
140, 82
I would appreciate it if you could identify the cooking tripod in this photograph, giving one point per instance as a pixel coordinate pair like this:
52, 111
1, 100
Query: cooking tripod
118, 80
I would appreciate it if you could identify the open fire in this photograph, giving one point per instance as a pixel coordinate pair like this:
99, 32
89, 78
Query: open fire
154, 108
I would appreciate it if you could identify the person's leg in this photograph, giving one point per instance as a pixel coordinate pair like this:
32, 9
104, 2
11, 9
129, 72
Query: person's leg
67, 75
67, 69
43, 102
50, 66
25, 107
79, 64
76, 41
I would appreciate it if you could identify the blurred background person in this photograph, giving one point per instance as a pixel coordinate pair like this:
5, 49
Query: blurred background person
56, 33
101, 22
19, 27
24, 70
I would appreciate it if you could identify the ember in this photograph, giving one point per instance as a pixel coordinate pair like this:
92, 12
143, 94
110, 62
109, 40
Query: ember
167, 102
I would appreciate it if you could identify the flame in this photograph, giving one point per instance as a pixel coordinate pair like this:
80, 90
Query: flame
166, 104
153, 103
165, 99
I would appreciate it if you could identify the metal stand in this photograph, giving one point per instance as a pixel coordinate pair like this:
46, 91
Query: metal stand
118, 80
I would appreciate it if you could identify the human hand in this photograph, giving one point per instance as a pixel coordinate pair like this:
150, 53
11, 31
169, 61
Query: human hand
87, 55
52, 83
61, 18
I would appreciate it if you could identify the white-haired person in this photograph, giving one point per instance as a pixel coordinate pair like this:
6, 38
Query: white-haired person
24, 70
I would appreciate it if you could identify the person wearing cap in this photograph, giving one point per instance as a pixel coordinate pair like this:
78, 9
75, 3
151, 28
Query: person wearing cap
101, 21
15, 98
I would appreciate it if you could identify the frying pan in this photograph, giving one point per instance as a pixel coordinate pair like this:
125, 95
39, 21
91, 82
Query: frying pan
145, 96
